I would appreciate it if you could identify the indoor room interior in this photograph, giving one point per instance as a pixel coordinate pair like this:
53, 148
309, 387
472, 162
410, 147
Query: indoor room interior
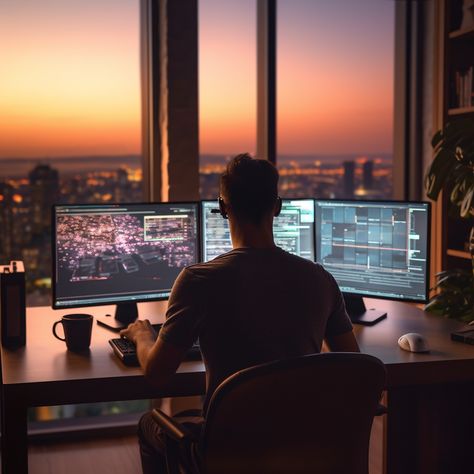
117, 119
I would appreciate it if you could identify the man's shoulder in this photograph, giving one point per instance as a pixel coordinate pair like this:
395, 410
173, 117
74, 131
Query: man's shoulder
303, 263
277, 261
205, 269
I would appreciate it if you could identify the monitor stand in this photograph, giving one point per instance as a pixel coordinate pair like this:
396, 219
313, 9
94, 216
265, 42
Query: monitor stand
125, 313
358, 312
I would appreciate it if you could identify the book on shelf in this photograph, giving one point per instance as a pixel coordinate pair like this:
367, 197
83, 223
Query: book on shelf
463, 93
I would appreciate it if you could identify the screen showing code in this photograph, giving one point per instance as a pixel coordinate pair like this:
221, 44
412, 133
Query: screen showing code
293, 229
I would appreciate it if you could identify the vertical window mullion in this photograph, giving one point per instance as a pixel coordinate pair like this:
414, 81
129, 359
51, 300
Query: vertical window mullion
266, 79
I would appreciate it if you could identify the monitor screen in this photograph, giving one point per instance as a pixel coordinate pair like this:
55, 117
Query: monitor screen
106, 254
293, 229
377, 249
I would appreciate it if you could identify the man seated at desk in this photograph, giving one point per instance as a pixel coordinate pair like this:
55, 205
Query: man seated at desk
254, 304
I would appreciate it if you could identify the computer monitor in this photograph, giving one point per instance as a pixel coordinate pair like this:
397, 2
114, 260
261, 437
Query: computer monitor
378, 249
293, 229
121, 254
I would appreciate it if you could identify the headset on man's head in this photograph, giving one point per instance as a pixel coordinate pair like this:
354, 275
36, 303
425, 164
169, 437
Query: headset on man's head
223, 213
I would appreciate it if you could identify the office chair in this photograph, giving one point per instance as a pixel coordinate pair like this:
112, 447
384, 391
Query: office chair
310, 414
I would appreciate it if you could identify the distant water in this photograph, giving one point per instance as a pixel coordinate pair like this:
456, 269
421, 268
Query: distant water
20, 167
307, 159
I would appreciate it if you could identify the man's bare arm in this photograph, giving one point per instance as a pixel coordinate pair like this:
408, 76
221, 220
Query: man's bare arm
162, 361
345, 342
158, 359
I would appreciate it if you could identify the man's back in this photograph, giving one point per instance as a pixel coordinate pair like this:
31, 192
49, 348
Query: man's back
251, 306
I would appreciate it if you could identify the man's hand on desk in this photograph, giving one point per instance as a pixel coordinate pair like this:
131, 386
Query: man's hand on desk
139, 331
158, 359
143, 335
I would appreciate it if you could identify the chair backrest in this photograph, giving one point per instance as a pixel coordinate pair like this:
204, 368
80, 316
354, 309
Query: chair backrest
310, 414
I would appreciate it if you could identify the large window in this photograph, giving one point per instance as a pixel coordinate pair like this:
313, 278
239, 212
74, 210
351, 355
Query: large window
335, 64
227, 86
70, 128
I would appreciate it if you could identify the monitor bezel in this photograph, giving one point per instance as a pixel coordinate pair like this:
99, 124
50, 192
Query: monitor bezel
54, 304
428, 246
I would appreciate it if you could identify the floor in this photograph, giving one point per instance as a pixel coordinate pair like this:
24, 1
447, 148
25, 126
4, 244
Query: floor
121, 456
98, 456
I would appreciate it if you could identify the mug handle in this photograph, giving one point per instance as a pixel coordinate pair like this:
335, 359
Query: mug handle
54, 331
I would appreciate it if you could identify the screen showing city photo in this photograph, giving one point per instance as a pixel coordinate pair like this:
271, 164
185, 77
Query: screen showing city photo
114, 253
375, 248
293, 229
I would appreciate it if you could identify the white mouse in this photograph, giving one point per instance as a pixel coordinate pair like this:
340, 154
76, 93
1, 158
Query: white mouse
413, 342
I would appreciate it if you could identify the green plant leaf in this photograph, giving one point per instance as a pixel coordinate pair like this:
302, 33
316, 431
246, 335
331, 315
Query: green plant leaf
467, 202
437, 138
438, 172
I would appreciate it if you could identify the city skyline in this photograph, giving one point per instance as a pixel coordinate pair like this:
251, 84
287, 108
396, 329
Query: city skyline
27, 199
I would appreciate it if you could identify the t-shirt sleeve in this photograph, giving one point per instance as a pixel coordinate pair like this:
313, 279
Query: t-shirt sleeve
184, 310
338, 321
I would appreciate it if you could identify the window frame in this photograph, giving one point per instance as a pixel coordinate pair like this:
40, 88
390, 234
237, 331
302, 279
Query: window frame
407, 170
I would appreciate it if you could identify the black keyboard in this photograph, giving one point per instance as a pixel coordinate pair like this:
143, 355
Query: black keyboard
126, 351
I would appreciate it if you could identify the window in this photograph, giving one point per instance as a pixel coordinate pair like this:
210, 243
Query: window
335, 68
70, 127
227, 86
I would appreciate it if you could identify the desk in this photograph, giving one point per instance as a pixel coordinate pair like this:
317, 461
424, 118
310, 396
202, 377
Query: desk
422, 436
44, 373
429, 427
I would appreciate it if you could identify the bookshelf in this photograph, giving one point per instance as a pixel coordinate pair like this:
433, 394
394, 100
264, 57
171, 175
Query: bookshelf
461, 110
458, 102
465, 33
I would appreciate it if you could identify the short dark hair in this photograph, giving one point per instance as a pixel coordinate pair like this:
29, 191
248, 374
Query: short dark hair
250, 187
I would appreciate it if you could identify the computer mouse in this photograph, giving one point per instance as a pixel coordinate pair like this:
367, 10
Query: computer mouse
413, 342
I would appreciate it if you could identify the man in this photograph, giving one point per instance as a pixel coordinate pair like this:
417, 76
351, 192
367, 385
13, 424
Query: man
254, 304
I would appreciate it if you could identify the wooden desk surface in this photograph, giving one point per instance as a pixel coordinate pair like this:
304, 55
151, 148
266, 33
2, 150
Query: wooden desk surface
421, 387
46, 359
44, 370
447, 360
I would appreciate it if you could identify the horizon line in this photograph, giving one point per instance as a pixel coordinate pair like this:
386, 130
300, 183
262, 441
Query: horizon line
133, 155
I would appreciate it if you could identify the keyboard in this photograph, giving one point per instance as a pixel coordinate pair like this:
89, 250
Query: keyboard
126, 351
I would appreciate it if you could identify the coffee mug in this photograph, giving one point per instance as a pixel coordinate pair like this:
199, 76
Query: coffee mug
77, 331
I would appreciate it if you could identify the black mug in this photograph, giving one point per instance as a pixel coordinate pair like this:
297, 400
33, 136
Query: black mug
77, 331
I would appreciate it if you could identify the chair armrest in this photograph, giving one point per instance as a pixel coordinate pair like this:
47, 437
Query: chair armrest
381, 410
171, 427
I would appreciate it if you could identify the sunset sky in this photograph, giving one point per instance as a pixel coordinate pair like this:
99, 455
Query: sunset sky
69, 81
70, 77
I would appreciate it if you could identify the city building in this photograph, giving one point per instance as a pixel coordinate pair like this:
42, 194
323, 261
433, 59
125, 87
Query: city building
368, 174
6, 222
44, 189
349, 179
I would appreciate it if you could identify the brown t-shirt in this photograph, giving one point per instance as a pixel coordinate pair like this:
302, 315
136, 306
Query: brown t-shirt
251, 306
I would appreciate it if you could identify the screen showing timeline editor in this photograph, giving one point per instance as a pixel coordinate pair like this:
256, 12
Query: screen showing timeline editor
293, 229
379, 248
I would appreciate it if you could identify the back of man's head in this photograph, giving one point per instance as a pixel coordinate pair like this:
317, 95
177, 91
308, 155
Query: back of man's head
250, 187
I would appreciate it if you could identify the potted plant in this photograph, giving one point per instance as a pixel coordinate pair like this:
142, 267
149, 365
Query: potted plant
452, 170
